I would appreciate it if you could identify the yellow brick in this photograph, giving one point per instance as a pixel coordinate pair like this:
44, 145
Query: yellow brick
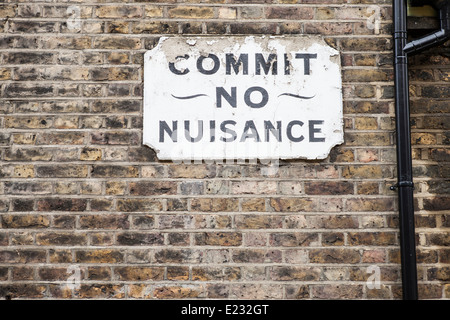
153, 12
191, 12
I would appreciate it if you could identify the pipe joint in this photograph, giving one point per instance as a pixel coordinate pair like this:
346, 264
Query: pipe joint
402, 184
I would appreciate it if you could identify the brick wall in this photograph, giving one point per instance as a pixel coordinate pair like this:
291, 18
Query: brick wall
82, 198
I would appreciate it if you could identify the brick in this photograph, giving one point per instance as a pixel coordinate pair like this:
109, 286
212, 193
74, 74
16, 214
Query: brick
154, 27
115, 138
177, 292
28, 122
334, 256
328, 188
118, 12
293, 239
188, 12
293, 204
60, 138
115, 171
365, 171
219, 239
254, 204
99, 256
192, 171
258, 222
254, 187
22, 205
55, 204
139, 273
139, 205
60, 239
152, 11
99, 273
91, 154
27, 188
370, 204
366, 44
139, 238
17, 291
289, 13
62, 171
256, 291
372, 238
104, 222
295, 273
214, 204
178, 256
178, 273
325, 28
256, 256
25, 221
145, 188
214, 274
337, 291
99, 291
117, 42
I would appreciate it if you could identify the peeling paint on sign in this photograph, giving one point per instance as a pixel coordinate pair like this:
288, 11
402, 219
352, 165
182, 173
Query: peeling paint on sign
211, 98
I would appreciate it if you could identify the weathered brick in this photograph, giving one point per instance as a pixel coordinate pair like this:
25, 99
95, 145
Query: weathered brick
337, 291
99, 171
115, 138
334, 256
101, 291
62, 171
99, 256
140, 238
258, 222
177, 292
360, 204
142, 205
290, 13
15, 291
188, 12
214, 204
55, 204
25, 221
295, 273
104, 222
139, 273
145, 188
219, 239
293, 204
293, 239
118, 12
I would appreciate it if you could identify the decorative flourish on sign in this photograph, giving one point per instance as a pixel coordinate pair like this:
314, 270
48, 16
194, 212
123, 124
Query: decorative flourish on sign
190, 97
295, 96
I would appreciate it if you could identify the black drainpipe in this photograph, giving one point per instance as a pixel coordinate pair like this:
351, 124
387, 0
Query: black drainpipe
405, 184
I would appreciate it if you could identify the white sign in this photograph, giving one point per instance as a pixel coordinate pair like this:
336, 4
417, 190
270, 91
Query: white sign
210, 98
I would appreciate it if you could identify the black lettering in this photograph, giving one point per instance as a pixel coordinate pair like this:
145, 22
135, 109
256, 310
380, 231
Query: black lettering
175, 70
268, 127
313, 131
187, 131
232, 63
287, 64
289, 131
306, 63
214, 69
264, 98
221, 92
212, 130
163, 127
223, 127
250, 125
261, 62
